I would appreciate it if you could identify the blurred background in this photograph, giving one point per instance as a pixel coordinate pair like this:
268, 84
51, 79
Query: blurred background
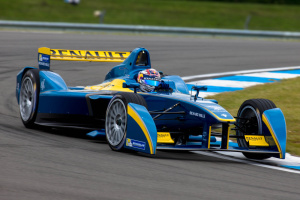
277, 15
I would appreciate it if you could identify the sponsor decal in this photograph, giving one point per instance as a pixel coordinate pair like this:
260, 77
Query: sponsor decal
197, 114
44, 64
254, 138
163, 135
224, 115
44, 58
84, 54
135, 144
44, 61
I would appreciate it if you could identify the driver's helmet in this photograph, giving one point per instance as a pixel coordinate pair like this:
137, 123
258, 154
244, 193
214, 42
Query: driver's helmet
148, 79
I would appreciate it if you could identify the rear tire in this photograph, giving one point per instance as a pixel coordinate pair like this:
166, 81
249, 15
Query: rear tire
29, 97
116, 118
249, 122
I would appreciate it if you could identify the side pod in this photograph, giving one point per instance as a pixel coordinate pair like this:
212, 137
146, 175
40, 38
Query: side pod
141, 130
274, 129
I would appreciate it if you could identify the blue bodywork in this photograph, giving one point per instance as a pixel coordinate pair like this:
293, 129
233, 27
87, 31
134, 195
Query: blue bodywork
138, 60
140, 137
274, 127
190, 118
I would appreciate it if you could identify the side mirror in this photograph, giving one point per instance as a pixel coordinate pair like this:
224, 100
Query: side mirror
198, 88
131, 85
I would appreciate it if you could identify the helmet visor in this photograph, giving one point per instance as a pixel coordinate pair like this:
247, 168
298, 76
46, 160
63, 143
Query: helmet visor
151, 82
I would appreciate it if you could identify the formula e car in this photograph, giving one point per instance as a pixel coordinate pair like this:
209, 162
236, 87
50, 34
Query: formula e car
171, 117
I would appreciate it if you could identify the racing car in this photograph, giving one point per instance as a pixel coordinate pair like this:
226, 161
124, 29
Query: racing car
170, 116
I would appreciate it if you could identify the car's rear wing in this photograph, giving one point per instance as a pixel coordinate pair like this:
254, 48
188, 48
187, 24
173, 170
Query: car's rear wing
46, 54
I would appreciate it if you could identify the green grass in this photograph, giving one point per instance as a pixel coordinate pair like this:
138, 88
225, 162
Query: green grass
286, 96
157, 12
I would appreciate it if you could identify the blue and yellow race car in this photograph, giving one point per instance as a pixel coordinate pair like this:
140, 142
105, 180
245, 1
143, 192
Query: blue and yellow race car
170, 116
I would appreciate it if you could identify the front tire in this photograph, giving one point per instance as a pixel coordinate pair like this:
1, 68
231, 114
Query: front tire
29, 97
249, 122
116, 118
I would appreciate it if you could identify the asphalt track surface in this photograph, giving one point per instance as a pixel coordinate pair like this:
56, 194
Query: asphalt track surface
60, 164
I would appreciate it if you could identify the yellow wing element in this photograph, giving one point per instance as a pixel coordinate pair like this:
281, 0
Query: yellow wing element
84, 55
256, 140
116, 84
164, 137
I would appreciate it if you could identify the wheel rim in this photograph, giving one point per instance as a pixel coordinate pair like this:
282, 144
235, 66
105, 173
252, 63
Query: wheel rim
116, 122
26, 99
249, 123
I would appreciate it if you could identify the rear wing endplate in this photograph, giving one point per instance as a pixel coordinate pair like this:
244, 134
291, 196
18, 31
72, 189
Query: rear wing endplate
46, 54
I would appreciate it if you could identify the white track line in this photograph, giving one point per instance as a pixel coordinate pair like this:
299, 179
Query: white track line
246, 162
238, 72
272, 75
225, 83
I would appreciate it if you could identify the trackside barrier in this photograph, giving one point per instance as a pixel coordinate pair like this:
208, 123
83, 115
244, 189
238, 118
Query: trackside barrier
147, 29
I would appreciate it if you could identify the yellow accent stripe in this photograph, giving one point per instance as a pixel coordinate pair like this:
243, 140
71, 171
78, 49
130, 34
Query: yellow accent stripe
84, 55
266, 121
228, 131
140, 122
116, 85
209, 133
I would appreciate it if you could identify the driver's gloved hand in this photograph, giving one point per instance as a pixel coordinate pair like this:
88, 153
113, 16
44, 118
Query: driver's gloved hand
164, 85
